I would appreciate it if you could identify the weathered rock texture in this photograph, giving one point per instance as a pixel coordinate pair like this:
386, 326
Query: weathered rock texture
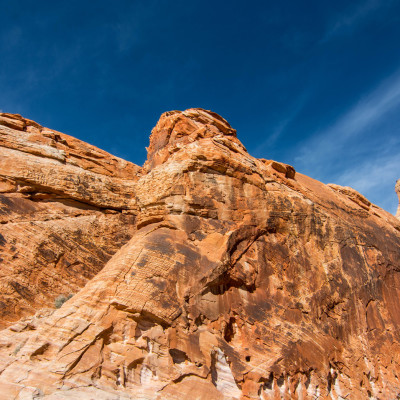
243, 280
65, 208
398, 194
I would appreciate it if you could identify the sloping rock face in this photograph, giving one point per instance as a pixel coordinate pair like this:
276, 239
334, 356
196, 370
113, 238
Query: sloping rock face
243, 280
65, 208
398, 194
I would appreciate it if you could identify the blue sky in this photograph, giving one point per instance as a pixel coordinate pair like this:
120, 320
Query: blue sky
315, 84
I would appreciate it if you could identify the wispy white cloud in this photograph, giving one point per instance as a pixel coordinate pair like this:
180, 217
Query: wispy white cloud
282, 125
369, 111
349, 21
375, 178
346, 152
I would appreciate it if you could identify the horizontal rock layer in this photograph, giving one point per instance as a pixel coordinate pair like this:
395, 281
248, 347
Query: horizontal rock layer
65, 208
242, 280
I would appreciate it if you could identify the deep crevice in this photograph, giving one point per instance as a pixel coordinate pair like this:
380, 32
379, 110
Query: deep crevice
268, 382
178, 356
225, 282
213, 369
229, 332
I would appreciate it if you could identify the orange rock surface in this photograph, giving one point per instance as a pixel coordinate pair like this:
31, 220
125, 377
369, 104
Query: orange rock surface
242, 279
398, 194
65, 209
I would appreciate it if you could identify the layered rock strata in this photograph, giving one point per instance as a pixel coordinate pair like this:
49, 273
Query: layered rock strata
398, 195
65, 208
242, 280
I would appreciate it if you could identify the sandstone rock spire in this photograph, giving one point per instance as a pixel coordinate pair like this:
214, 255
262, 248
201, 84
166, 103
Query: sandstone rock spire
398, 194
176, 129
241, 280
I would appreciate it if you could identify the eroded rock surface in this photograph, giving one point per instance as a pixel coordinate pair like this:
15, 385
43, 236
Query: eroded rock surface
242, 280
65, 208
398, 194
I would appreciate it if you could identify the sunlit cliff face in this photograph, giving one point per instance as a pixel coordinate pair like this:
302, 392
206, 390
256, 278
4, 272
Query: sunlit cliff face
398, 194
241, 279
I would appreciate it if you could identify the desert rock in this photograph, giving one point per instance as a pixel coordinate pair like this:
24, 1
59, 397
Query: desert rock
242, 279
398, 194
65, 208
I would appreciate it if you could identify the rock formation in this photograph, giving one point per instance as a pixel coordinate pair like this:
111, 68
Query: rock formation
398, 194
65, 208
242, 279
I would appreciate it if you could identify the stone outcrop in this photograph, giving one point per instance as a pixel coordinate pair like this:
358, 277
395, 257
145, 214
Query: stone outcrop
398, 194
242, 279
65, 208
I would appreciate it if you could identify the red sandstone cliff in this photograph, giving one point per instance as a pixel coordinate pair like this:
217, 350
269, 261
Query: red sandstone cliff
65, 209
398, 194
242, 279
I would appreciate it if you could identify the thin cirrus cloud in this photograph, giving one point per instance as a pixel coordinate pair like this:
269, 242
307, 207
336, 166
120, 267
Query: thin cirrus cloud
347, 150
352, 19
375, 178
282, 126
369, 111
